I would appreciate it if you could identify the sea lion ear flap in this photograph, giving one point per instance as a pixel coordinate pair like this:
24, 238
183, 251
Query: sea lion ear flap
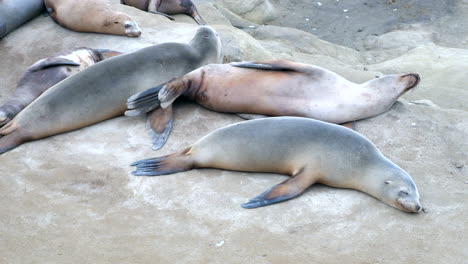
159, 126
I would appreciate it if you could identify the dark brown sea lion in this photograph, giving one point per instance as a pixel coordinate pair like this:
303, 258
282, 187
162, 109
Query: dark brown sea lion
167, 7
46, 73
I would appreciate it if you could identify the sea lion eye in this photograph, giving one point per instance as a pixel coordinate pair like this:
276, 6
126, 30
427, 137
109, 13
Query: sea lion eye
377, 76
127, 25
116, 22
403, 193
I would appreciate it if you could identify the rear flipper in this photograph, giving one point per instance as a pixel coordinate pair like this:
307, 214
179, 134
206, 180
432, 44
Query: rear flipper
286, 190
196, 16
10, 138
159, 126
169, 164
143, 102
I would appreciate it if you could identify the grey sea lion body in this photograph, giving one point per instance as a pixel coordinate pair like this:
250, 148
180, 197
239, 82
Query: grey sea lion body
307, 150
100, 92
47, 72
14, 13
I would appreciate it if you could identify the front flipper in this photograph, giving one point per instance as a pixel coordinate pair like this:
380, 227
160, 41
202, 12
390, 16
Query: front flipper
51, 62
251, 116
277, 65
162, 14
159, 125
286, 190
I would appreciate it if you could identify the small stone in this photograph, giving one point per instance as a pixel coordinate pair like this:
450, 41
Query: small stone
220, 243
307, 19
319, 4
395, 10
413, 124
345, 10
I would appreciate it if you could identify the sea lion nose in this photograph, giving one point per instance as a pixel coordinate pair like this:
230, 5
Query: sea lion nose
418, 208
415, 78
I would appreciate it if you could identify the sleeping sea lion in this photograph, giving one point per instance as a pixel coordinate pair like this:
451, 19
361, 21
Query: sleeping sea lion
100, 91
91, 16
309, 151
275, 88
46, 73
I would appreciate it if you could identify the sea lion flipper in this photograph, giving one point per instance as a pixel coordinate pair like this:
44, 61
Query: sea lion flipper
143, 102
51, 62
251, 116
162, 14
350, 125
177, 162
277, 65
9, 137
286, 190
159, 125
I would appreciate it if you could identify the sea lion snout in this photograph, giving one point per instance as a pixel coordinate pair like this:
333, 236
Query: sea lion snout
412, 79
409, 205
132, 29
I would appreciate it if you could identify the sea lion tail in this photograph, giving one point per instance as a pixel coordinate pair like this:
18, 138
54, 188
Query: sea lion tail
143, 102
169, 164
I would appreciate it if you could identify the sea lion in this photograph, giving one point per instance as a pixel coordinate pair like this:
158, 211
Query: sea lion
167, 7
46, 73
100, 91
276, 88
14, 13
91, 16
309, 151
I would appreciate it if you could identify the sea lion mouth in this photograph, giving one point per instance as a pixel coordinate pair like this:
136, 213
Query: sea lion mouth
410, 208
415, 83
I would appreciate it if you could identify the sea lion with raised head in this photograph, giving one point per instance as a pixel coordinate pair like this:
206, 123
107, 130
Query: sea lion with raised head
14, 13
100, 91
46, 73
91, 16
167, 7
276, 88
307, 150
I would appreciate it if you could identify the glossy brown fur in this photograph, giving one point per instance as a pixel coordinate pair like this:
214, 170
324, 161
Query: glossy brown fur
169, 7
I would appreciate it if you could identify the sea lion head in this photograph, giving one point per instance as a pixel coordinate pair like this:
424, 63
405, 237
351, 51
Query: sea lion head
383, 91
121, 24
207, 41
399, 191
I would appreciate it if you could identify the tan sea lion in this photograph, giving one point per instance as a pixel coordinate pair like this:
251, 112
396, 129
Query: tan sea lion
46, 73
276, 88
100, 91
167, 7
91, 16
307, 150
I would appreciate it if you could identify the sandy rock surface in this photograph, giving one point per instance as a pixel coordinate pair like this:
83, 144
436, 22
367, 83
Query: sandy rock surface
71, 198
